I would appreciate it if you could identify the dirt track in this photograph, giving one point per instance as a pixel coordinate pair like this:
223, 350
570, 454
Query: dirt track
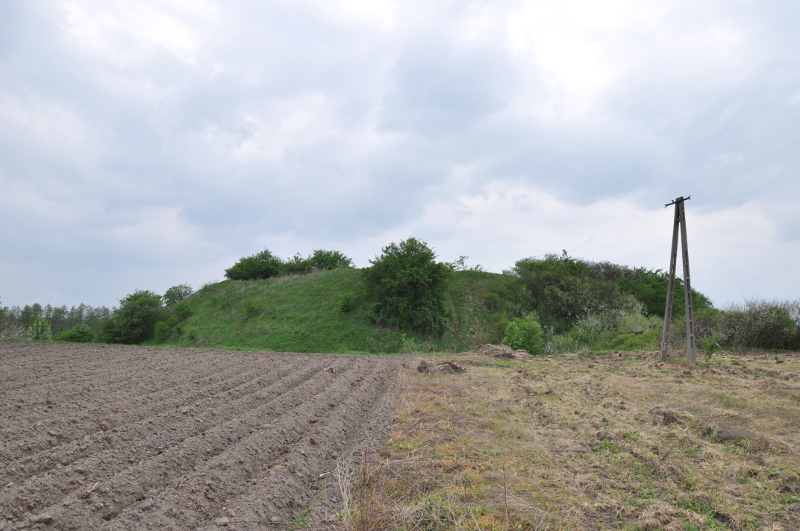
95, 437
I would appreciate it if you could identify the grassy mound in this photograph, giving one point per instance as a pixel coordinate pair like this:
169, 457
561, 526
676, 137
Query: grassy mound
304, 313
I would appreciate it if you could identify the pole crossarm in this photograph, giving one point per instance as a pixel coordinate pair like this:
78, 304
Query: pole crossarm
679, 230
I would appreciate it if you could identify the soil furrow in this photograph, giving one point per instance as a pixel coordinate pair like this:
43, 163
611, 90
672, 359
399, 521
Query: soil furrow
194, 431
141, 435
232, 473
182, 455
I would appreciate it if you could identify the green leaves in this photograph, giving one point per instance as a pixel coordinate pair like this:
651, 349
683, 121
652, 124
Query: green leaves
267, 265
408, 287
135, 319
524, 334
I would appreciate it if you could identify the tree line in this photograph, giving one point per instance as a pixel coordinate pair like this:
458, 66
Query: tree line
555, 303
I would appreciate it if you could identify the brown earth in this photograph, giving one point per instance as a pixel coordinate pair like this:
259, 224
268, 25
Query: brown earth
97, 437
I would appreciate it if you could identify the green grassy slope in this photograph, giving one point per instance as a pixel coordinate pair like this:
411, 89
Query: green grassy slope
301, 314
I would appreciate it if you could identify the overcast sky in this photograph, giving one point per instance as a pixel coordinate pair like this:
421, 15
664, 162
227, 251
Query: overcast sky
148, 144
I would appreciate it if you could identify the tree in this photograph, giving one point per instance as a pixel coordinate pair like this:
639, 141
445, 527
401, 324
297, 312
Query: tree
135, 319
259, 266
408, 287
321, 259
39, 330
176, 294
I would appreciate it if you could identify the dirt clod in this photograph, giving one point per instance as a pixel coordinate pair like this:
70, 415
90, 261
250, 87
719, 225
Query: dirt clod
663, 416
43, 518
728, 434
446, 367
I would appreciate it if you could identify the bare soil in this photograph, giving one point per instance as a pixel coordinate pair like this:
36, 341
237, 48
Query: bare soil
99, 437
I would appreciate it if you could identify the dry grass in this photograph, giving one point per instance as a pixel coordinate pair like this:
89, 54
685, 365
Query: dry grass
589, 442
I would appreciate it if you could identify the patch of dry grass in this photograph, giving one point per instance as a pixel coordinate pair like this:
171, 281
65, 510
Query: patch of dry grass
590, 442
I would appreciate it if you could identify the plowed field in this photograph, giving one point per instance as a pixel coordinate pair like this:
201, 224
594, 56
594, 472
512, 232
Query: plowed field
95, 437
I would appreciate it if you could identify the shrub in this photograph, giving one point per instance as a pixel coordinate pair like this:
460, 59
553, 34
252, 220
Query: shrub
296, 265
259, 266
709, 346
321, 259
77, 334
524, 334
192, 333
39, 330
347, 303
176, 294
182, 310
161, 331
252, 308
408, 287
559, 344
135, 319
762, 324
629, 342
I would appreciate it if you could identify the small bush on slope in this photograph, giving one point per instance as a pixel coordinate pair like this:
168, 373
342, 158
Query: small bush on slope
408, 287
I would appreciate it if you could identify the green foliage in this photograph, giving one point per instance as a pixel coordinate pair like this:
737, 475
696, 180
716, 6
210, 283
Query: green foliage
191, 333
81, 333
135, 319
650, 286
347, 303
266, 265
525, 334
561, 343
252, 308
709, 345
260, 265
176, 294
182, 310
161, 331
322, 260
39, 330
408, 345
630, 342
762, 324
408, 287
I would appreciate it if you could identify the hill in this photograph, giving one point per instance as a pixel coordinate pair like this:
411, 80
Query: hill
304, 313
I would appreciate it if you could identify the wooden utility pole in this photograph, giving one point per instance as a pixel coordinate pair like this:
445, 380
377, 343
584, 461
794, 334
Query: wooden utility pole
679, 224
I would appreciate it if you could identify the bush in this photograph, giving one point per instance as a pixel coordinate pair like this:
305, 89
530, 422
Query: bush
408, 287
135, 319
762, 324
259, 266
321, 259
78, 334
39, 330
182, 310
176, 294
161, 331
524, 334
347, 303
192, 333
559, 344
252, 308
629, 342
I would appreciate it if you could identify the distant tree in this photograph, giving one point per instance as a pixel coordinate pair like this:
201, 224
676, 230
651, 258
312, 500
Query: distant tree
408, 287
259, 266
39, 330
321, 259
135, 319
176, 294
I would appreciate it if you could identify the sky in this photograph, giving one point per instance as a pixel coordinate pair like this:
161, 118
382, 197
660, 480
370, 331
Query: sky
145, 144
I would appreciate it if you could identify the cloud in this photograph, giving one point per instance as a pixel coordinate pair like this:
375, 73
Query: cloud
163, 140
